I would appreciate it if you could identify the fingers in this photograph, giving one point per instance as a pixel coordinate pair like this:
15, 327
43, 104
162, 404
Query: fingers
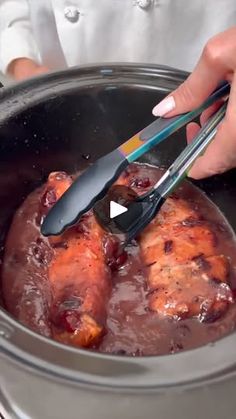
191, 130
24, 68
209, 112
221, 153
216, 63
190, 94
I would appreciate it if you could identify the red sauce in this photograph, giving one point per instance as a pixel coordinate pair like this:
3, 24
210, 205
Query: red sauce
132, 329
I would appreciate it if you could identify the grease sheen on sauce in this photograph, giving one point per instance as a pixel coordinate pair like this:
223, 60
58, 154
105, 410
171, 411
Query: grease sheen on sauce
131, 329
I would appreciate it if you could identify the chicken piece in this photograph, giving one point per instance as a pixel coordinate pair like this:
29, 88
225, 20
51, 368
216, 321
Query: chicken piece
186, 276
79, 278
191, 290
63, 283
80, 285
26, 291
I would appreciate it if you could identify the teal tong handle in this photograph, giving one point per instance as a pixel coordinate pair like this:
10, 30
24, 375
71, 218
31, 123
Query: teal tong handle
162, 128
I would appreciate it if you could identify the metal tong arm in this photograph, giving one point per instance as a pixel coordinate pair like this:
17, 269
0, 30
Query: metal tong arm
185, 160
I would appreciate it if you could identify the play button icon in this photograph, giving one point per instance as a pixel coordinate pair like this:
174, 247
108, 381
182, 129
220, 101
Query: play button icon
108, 210
116, 209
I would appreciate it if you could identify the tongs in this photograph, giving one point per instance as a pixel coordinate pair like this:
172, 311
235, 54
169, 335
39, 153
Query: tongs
93, 184
142, 210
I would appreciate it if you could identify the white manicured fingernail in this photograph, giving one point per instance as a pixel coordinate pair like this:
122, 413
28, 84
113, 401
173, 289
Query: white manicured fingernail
164, 107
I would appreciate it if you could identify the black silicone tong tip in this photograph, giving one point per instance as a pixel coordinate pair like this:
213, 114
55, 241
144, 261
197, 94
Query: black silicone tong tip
84, 192
140, 213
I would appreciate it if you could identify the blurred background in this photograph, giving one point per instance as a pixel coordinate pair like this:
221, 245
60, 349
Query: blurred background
4, 80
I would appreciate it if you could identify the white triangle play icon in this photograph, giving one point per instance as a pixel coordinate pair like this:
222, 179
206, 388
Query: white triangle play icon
116, 209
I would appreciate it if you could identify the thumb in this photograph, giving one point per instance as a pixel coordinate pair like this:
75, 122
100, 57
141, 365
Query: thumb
198, 86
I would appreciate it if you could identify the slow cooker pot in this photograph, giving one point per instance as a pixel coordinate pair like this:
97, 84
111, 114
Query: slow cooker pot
53, 123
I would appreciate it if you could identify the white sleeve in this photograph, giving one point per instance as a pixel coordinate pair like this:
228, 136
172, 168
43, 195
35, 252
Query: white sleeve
16, 36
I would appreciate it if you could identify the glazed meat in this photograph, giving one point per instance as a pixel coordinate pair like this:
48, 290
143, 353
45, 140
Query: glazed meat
70, 287
79, 279
187, 278
74, 282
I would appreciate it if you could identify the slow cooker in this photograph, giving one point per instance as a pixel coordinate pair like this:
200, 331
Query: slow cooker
52, 123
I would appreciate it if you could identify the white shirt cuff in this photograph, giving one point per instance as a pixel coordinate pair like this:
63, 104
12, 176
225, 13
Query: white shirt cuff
17, 42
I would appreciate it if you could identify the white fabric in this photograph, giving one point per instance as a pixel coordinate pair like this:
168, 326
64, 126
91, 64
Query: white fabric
16, 37
169, 32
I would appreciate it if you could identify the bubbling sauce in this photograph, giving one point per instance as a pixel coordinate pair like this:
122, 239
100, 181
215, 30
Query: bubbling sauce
131, 328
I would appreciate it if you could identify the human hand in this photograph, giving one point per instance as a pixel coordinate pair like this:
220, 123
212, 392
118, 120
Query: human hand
24, 68
217, 63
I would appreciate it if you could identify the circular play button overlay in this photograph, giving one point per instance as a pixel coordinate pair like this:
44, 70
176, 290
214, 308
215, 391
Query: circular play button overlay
113, 210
